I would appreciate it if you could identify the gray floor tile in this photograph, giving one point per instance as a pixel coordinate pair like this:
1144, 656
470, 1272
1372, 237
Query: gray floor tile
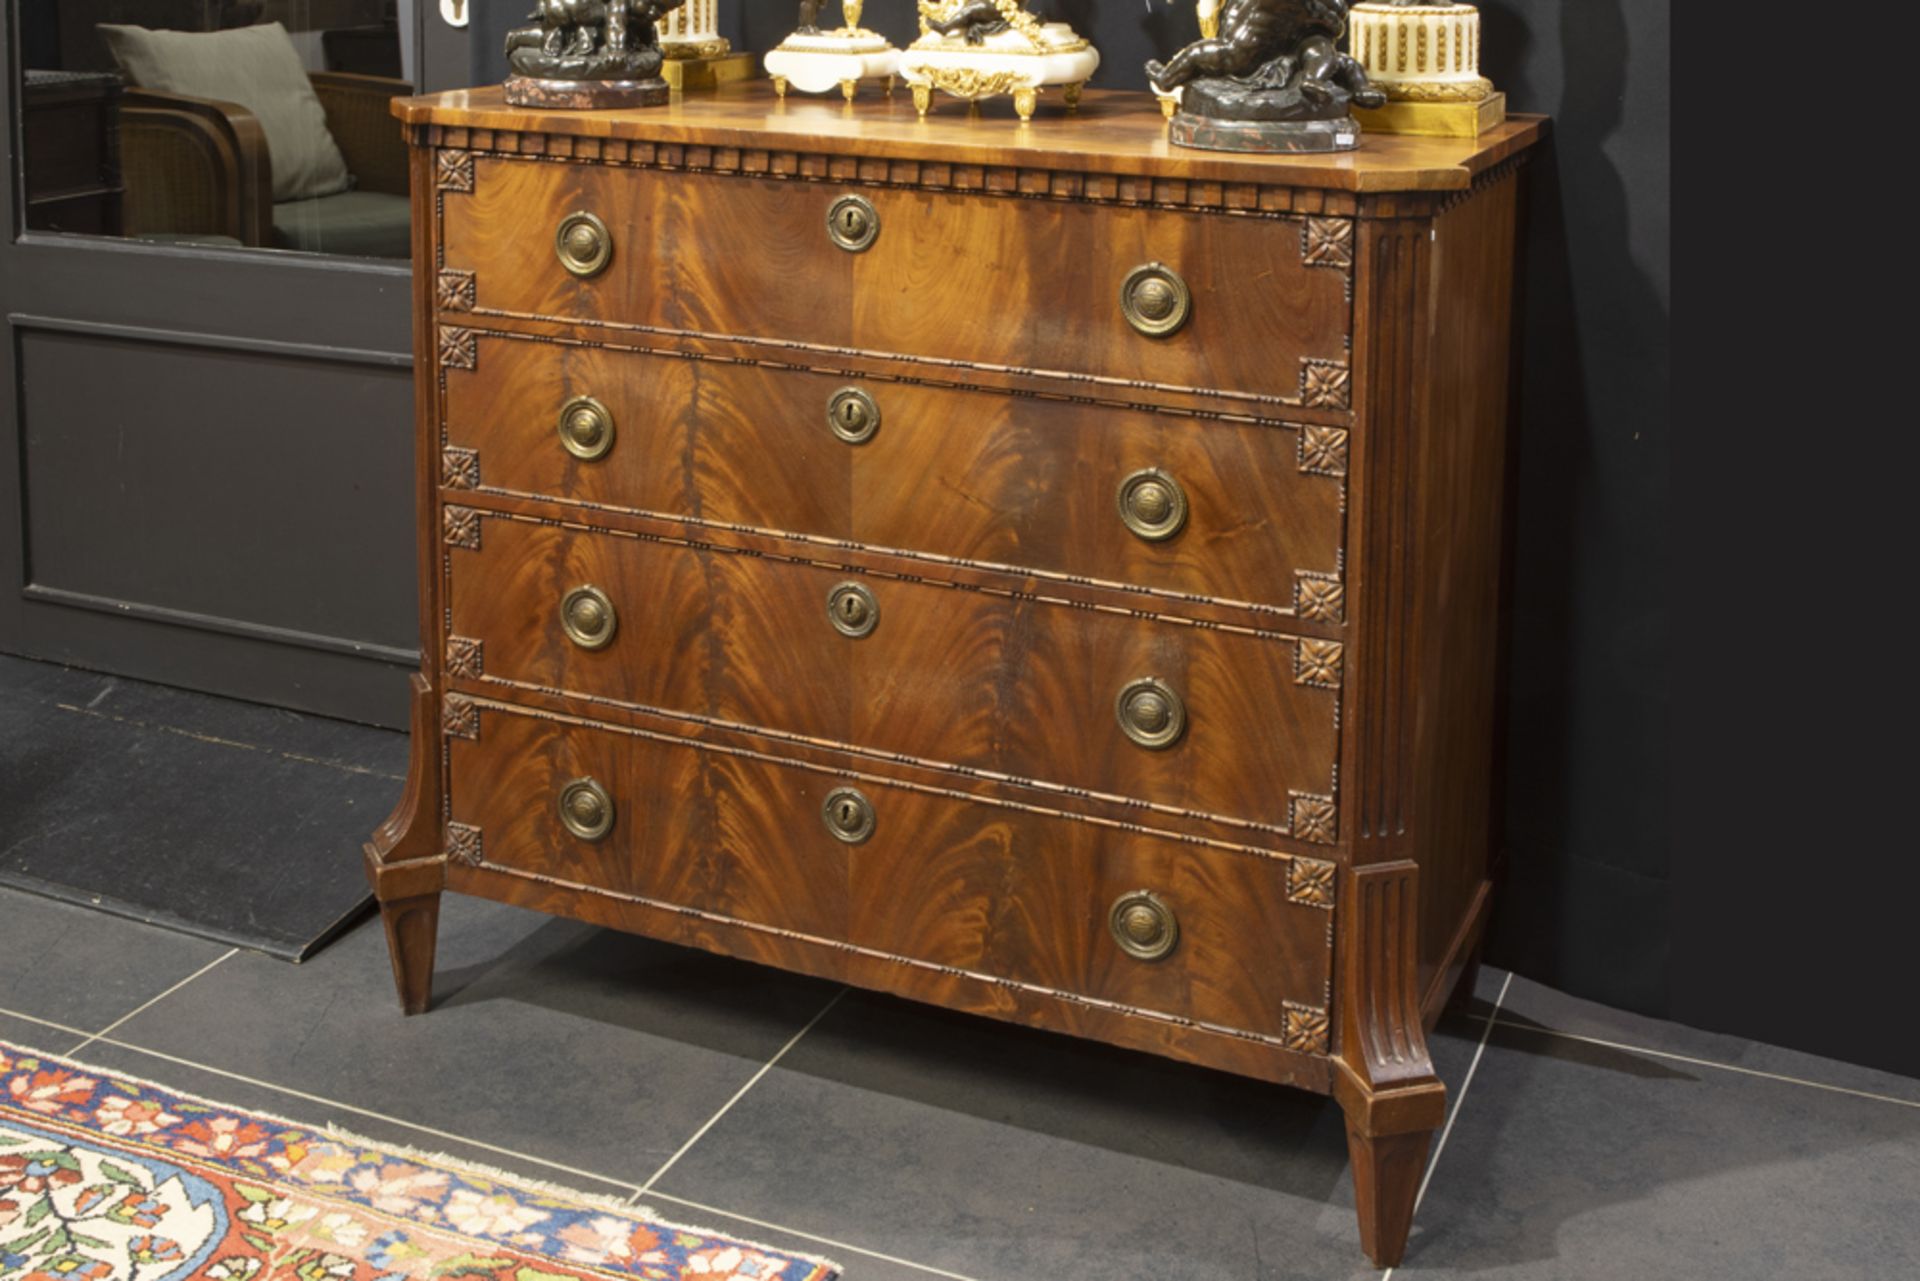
85, 968
1534, 1005
999, 1152
1578, 1161
42, 1038
594, 1049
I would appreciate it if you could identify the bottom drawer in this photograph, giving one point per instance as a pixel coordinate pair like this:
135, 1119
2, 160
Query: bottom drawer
929, 877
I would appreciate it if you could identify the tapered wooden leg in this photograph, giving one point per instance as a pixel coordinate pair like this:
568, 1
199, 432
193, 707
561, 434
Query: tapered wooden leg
413, 926
1386, 1179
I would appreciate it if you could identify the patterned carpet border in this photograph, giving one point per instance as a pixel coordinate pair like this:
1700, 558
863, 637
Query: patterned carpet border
108, 1177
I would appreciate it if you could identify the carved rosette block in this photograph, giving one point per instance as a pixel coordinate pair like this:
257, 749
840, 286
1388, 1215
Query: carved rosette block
1308, 1030
1318, 662
456, 290
453, 171
461, 526
1323, 450
1325, 384
459, 349
466, 658
1327, 242
1310, 882
464, 844
459, 717
1313, 818
460, 468
1320, 597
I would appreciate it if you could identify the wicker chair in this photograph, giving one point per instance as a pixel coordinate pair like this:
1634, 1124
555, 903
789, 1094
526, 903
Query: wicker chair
196, 169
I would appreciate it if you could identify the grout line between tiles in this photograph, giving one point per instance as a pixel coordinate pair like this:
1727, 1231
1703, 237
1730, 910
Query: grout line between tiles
1696, 1062
231, 742
28, 1018
829, 1242
1459, 1104
737, 1096
147, 1005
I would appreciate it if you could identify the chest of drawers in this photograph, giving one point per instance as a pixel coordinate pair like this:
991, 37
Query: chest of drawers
1029, 569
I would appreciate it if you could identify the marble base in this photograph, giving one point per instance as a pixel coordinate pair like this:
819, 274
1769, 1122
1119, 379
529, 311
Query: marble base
1006, 64
1435, 119
837, 59
585, 95
1272, 136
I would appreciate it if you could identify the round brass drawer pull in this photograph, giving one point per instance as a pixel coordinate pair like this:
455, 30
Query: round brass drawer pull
852, 223
1143, 925
588, 617
848, 814
585, 809
1152, 505
1151, 714
586, 428
1155, 300
853, 610
583, 243
853, 415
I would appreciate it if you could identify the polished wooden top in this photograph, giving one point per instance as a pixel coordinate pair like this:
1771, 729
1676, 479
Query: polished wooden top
1115, 131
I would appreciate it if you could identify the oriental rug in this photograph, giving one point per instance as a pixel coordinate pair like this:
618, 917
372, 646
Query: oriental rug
104, 1177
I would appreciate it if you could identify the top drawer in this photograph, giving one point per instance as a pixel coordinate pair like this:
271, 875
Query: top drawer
955, 280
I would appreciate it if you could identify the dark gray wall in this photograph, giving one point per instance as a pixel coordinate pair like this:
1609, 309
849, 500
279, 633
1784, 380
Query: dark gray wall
1587, 902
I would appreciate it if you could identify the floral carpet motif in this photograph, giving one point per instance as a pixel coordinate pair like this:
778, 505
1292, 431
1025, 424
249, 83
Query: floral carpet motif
107, 1178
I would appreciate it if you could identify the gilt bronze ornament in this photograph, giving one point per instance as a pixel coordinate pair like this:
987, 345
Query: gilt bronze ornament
588, 54
1272, 79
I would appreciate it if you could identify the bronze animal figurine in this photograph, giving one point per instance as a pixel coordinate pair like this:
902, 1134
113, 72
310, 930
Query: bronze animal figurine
589, 39
976, 19
810, 17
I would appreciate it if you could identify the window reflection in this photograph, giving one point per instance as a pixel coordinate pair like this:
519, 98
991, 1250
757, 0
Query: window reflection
236, 123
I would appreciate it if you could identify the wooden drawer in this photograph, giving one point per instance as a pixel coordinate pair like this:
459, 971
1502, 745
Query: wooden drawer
951, 279
940, 882
977, 476
982, 679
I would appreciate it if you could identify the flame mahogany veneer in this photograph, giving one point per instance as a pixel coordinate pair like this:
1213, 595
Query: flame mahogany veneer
1292, 888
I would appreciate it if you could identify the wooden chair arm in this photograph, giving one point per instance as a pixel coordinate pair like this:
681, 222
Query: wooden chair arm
195, 166
361, 123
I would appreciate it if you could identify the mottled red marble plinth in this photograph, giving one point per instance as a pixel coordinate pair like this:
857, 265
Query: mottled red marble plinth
586, 95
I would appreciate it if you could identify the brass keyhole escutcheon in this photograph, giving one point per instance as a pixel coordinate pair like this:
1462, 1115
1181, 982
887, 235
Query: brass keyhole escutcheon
588, 618
1151, 714
852, 223
1152, 505
1143, 925
583, 244
848, 814
853, 610
586, 428
585, 809
853, 415
1155, 300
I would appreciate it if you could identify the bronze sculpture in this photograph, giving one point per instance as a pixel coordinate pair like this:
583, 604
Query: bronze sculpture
1274, 79
587, 54
810, 17
976, 21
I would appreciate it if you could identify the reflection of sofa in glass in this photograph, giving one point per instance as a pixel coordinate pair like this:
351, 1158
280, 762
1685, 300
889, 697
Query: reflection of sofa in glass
198, 168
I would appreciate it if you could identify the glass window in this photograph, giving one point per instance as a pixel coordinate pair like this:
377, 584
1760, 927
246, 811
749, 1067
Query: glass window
259, 124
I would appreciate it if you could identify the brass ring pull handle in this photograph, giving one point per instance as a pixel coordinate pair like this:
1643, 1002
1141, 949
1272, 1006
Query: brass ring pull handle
853, 415
848, 814
1143, 925
586, 428
588, 618
1152, 505
583, 244
585, 809
852, 610
1151, 714
853, 223
1155, 300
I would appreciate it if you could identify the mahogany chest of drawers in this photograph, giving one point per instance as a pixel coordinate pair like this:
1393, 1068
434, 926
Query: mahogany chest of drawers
1028, 569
